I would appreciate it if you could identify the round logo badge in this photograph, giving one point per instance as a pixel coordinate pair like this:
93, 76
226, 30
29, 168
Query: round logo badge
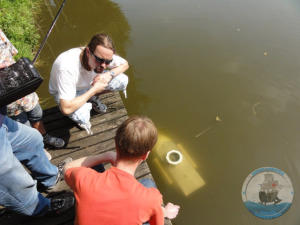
267, 192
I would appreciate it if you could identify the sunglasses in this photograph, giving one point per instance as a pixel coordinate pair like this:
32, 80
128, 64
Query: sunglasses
101, 60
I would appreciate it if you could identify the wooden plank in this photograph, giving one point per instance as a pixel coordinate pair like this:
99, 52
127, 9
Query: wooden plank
97, 130
80, 143
83, 145
92, 150
142, 170
52, 110
53, 113
65, 123
109, 94
104, 132
100, 124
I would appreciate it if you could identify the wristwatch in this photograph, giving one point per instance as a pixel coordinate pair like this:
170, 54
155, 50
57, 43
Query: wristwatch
112, 73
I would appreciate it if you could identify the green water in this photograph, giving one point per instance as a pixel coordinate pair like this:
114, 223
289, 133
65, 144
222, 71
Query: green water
192, 62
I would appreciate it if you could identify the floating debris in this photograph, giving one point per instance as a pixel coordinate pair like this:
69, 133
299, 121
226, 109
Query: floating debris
238, 29
254, 107
202, 132
218, 119
265, 53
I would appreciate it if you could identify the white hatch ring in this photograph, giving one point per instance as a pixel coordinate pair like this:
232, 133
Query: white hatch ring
174, 154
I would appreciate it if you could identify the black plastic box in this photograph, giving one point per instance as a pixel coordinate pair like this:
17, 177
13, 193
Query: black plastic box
18, 80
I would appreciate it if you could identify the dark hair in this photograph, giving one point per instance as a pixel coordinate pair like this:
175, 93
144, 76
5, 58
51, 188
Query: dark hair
98, 39
135, 137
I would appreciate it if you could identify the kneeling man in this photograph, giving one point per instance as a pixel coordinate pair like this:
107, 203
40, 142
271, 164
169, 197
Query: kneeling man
115, 197
79, 74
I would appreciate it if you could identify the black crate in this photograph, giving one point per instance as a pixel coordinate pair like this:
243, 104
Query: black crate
18, 80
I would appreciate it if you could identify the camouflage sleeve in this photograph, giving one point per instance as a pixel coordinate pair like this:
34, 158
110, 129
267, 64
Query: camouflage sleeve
7, 51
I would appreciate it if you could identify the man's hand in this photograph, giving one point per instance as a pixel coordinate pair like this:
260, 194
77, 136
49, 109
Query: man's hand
99, 85
171, 210
104, 77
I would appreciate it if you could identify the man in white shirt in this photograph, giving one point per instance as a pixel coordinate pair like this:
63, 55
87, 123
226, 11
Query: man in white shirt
79, 74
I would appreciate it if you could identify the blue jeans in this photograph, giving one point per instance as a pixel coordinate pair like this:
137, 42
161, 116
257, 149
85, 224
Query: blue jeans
149, 184
18, 192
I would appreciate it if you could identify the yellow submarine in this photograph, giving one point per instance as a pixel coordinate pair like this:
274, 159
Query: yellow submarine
183, 173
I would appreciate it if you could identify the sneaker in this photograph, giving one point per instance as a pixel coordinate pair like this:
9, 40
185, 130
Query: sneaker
60, 167
61, 203
54, 141
48, 154
97, 105
60, 176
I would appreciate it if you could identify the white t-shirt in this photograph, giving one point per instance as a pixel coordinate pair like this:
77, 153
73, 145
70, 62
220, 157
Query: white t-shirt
67, 75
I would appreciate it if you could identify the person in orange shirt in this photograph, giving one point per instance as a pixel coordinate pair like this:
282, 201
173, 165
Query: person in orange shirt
115, 197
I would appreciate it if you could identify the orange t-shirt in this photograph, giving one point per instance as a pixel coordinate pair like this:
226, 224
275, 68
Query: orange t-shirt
113, 198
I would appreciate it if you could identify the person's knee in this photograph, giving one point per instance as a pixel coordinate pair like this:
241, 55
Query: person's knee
35, 114
118, 83
124, 79
35, 137
82, 114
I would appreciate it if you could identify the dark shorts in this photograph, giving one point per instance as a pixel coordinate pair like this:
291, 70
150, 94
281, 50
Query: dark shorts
32, 116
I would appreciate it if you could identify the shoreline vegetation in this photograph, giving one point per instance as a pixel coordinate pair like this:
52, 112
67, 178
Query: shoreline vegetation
17, 20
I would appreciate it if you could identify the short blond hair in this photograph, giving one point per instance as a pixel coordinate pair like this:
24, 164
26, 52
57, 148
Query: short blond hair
135, 137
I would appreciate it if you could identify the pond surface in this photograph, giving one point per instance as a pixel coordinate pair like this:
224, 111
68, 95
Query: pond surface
219, 78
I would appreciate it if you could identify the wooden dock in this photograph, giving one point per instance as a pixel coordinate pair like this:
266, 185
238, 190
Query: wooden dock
80, 144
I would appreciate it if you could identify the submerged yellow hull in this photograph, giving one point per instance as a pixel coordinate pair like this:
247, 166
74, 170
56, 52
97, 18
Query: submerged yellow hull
183, 174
